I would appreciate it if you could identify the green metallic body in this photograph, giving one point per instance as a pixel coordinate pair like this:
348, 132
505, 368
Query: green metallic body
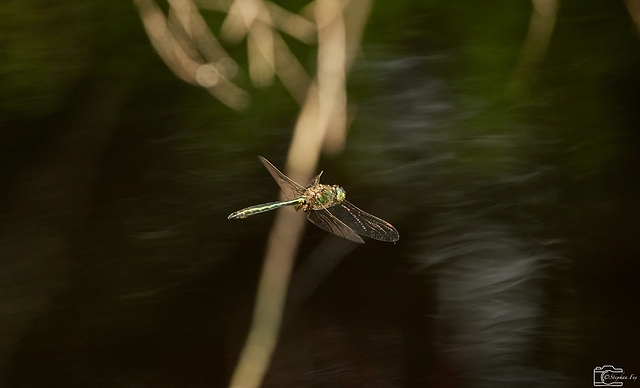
257, 209
326, 207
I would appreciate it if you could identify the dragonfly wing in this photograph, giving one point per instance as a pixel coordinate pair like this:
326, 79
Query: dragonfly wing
364, 223
291, 189
325, 220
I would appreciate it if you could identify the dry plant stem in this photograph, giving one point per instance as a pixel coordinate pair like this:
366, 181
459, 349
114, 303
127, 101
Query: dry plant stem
634, 10
180, 55
261, 51
196, 27
281, 250
325, 99
162, 39
194, 54
332, 55
543, 20
293, 76
267, 315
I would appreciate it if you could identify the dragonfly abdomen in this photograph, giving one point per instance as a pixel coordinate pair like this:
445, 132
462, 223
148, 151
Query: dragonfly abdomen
265, 207
326, 207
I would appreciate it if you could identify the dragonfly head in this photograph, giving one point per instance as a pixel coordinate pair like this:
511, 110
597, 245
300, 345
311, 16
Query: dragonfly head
340, 194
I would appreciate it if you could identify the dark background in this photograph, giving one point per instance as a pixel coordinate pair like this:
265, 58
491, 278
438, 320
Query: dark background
519, 219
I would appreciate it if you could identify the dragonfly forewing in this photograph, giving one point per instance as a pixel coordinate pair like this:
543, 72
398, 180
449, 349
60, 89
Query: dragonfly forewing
364, 223
288, 186
325, 207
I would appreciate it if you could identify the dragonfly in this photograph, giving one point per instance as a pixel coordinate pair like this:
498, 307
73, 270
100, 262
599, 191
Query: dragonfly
326, 207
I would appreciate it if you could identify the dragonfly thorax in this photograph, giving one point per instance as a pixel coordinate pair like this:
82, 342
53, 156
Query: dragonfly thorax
331, 211
321, 197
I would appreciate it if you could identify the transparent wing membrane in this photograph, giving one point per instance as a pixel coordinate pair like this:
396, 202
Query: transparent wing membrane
342, 218
290, 188
325, 220
364, 223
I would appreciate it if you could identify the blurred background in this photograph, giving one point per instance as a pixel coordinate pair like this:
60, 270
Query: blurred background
500, 138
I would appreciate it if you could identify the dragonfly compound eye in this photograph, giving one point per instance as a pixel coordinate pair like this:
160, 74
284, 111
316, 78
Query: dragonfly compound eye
326, 208
340, 194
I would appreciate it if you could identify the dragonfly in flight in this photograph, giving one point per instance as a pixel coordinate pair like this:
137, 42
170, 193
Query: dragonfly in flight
326, 207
